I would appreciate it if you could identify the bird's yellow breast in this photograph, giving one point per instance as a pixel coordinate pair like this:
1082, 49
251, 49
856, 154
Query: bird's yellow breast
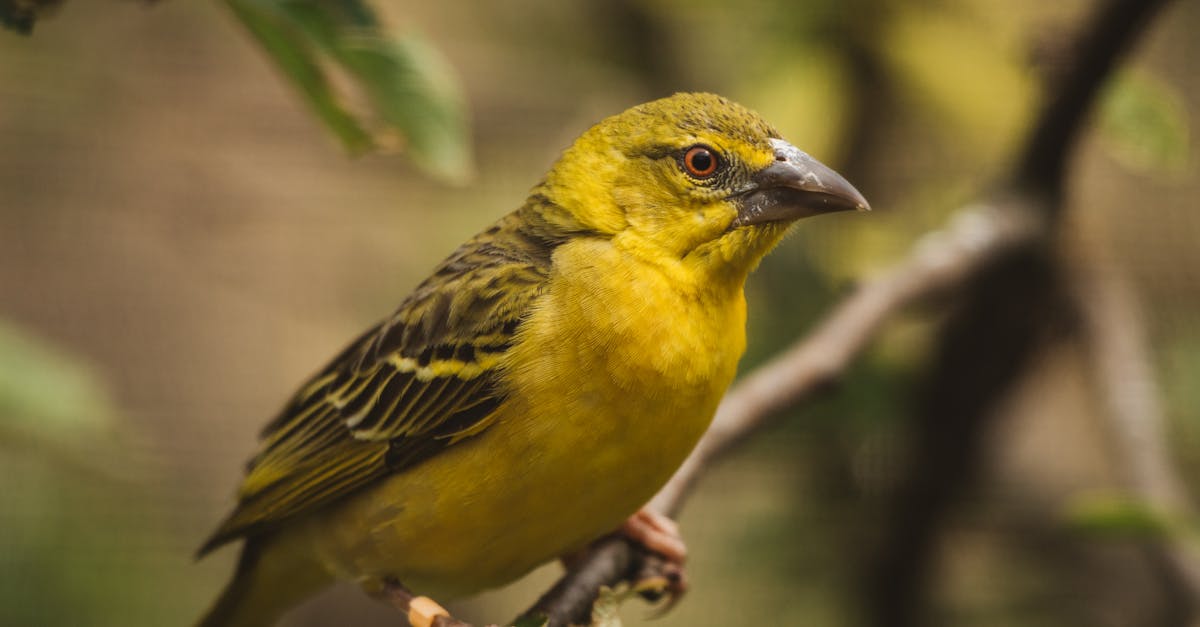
628, 359
612, 379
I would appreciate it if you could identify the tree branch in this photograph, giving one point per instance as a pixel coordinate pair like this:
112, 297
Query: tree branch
942, 260
1109, 33
1113, 336
986, 251
1007, 312
980, 248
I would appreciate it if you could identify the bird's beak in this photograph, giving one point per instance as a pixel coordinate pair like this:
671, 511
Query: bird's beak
795, 186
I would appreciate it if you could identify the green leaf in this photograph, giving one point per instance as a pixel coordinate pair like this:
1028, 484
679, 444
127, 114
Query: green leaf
1144, 123
415, 98
534, 620
294, 55
1117, 516
50, 399
375, 91
606, 610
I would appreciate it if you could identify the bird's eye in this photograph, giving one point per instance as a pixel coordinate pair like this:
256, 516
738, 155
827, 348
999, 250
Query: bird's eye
701, 161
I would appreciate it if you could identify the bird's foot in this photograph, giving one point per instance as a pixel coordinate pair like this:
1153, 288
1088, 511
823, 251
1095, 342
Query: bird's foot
658, 533
662, 574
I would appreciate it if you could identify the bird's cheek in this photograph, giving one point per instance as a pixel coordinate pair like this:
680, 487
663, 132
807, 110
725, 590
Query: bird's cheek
703, 224
716, 218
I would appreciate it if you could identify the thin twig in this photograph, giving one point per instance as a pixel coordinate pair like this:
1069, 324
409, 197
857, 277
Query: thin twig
1113, 333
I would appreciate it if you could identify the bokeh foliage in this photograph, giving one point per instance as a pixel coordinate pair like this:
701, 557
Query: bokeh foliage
179, 245
339, 54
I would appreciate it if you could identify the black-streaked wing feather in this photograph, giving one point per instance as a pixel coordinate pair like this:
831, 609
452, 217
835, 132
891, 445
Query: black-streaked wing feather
415, 384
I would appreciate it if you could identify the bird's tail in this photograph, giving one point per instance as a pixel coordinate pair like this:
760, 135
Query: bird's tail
270, 579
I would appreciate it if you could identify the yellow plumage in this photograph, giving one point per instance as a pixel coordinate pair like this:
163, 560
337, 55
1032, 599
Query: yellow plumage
545, 380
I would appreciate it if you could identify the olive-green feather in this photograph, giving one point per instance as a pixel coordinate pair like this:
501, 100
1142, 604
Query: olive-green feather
423, 380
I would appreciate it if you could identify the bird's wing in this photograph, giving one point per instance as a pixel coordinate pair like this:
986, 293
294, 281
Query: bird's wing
421, 381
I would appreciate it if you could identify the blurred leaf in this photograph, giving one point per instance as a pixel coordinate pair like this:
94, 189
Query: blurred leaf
373, 90
298, 61
47, 395
531, 621
606, 610
956, 64
805, 95
1116, 515
20, 15
1145, 124
55, 407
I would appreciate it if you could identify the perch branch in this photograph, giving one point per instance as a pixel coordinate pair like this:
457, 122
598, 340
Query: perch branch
977, 241
941, 261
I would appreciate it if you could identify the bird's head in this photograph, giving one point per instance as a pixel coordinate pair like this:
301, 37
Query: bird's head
692, 176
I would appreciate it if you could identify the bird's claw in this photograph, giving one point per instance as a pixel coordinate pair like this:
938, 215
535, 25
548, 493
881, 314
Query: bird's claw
659, 579
662, 573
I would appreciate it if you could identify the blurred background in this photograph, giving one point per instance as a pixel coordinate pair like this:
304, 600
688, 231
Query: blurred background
182, 242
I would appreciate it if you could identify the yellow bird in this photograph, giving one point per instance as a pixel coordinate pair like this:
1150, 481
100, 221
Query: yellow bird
538, 388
